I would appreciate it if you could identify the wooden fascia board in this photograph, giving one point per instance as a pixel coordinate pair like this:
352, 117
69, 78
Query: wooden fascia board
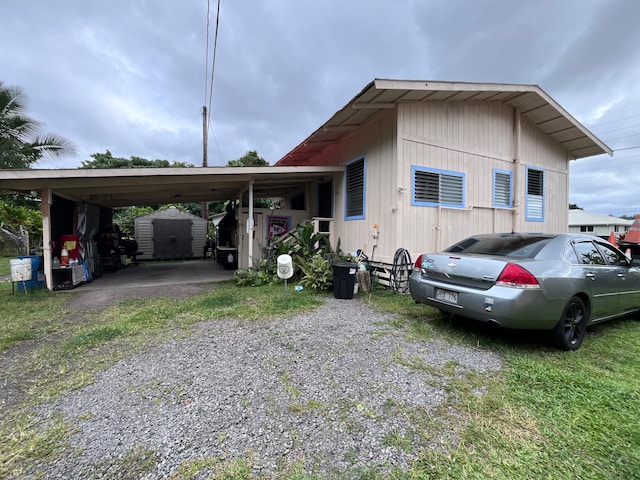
383, 84
365, 106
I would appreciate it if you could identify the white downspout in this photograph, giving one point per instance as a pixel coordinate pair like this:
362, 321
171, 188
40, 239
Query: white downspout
250, 224
517, 190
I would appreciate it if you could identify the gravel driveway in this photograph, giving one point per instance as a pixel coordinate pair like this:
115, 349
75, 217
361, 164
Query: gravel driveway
338, 390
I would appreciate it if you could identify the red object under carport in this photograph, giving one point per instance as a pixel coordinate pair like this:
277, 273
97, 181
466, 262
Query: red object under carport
633, 235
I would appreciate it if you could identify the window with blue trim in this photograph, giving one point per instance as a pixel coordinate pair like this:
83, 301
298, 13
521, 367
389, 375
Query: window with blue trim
355, 189
502, 189
535, 195
432, 188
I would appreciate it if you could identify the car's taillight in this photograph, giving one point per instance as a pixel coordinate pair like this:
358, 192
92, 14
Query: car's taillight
516, 276
418, 264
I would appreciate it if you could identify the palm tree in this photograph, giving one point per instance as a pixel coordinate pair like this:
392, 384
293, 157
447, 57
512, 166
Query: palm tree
21, 144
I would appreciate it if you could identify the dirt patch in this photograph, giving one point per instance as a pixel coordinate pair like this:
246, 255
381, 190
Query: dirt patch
15, 378
93, 299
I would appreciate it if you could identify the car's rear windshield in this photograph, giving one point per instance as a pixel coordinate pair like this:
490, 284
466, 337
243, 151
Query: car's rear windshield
508, 246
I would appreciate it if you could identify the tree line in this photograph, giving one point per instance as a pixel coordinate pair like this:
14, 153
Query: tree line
22, 145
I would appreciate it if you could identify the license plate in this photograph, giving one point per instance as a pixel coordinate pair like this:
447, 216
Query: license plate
446, 296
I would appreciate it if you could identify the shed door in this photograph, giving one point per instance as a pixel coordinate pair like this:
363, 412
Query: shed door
172, 239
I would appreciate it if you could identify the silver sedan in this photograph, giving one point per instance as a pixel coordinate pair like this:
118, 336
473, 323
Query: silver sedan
562, 283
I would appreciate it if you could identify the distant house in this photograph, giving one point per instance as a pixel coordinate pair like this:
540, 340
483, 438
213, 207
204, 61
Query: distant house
428, 163
597, 224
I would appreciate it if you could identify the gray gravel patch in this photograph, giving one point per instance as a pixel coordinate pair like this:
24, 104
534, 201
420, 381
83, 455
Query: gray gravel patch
326, 389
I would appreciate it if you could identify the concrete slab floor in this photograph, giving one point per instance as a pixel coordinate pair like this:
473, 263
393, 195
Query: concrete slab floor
157, 273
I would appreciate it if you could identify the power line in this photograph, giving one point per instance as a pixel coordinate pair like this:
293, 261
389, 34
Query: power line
626, 148
217, 146
208, 81
597, 125
635, 125
213, 62
621, 138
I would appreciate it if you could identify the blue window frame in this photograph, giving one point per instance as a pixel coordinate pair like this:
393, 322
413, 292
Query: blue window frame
432, 188
535, 195
502, 188
355, 189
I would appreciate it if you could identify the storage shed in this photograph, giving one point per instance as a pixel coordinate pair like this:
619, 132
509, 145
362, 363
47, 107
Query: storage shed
170, 234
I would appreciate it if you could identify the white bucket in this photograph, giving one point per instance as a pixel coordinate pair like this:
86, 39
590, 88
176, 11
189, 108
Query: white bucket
285, 266
20, 269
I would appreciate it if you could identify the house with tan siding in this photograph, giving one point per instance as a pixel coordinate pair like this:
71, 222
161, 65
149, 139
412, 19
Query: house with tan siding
405, 164
429, 163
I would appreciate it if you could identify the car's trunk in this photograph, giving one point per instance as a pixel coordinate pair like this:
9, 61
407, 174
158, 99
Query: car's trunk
474, 271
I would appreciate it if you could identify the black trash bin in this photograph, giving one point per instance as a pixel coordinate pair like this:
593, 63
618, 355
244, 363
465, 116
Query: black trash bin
227, 257
344, 279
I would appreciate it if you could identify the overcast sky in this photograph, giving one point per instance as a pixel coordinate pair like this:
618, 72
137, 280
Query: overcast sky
132, 77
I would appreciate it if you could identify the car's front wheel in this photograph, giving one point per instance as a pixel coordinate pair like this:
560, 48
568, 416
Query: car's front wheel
570, 330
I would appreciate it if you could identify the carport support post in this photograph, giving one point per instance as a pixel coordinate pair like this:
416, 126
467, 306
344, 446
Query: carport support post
45, 202
250, 225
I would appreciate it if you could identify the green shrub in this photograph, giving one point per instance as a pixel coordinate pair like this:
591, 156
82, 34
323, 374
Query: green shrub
305, 243
317, 273
253, 277
311, 255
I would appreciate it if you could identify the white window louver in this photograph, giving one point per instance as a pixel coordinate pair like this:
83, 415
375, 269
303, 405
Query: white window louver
438, 188
535, 194
451, 190
502, 189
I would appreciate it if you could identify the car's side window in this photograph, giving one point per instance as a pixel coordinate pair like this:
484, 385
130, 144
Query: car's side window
570, 255
613, 257
589, 254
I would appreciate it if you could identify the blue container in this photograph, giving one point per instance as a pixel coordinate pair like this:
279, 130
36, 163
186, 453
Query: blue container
37, 280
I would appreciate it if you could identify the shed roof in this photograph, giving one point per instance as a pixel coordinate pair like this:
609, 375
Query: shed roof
173, 213
535, 106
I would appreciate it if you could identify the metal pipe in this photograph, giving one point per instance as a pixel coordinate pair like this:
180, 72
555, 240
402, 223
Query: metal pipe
517, 190
250, 225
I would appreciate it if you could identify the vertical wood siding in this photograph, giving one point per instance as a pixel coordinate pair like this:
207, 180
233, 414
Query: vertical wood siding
541, 152
144, 231
376, 142
469, 139
474, 140
144, 237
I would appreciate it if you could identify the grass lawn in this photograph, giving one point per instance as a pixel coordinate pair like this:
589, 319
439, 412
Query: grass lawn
5, 265
551, 414
548, 414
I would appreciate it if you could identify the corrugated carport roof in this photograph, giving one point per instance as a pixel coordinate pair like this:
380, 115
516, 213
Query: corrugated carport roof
534, 104
153, 186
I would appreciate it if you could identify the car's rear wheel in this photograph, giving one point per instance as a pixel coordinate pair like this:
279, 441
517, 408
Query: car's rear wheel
570, 330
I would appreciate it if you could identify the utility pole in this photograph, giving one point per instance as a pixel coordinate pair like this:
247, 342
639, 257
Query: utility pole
205, 204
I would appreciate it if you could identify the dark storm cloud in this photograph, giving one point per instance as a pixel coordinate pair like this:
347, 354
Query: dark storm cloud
497, 40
